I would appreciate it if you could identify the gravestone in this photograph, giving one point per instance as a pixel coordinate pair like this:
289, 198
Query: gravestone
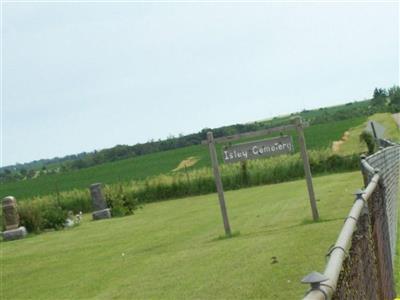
100, 210
11, 220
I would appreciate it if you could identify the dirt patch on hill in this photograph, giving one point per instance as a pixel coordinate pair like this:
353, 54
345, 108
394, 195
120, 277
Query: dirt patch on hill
337, 144
186, 163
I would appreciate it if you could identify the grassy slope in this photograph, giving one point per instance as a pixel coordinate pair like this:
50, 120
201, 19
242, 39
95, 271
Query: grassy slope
172, 251
333, 109
276, 121
317, 137
353, 144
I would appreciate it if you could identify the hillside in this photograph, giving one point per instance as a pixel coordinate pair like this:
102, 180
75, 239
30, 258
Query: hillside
318, 136
84, 159
352, 143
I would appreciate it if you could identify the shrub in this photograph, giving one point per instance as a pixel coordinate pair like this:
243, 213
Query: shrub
75, 200
30, 216
120, 199
41, 213
53, 217
369, 140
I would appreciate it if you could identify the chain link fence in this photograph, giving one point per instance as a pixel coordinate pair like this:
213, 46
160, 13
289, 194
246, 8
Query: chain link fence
360, 264
387, 161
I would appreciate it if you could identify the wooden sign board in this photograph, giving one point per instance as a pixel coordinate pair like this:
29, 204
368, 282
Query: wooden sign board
254, 150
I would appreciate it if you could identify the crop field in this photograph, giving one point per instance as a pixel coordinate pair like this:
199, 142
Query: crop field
172, 249
317, 137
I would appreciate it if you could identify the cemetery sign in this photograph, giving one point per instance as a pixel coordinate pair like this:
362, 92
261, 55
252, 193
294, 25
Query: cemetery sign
265, 148
253, 150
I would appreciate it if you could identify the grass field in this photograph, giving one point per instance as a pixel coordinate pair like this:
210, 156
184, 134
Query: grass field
171, 250
317, 137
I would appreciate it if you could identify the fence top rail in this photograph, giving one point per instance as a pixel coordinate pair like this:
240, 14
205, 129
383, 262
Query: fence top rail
365, 164
370, 169
324, 290
386, 144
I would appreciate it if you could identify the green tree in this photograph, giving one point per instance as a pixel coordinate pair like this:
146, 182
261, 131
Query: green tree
394, 95
31, 173
23, 172
379, 97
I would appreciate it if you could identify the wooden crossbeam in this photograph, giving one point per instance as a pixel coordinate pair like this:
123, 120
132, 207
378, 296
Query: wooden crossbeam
267, 131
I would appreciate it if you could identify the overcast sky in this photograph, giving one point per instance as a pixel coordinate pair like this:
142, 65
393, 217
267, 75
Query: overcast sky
80, 77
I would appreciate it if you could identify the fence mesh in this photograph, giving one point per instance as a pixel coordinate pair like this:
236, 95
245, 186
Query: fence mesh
367, 272
388, 162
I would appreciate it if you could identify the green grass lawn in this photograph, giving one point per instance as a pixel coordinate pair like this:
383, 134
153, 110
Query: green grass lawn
317, 137
171, 250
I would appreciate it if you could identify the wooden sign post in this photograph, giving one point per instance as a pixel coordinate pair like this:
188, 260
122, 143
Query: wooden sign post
307, 170
258, 149
218, 182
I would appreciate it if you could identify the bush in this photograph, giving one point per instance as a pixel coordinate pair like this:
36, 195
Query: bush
239, 175
369, 140
120, 199
53, 217
40, 214
30, 216
75, 200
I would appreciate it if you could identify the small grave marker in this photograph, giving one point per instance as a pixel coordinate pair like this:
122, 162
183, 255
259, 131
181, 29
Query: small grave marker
11, 220
99, 203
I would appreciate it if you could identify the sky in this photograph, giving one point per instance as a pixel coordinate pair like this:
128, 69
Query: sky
80, 77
